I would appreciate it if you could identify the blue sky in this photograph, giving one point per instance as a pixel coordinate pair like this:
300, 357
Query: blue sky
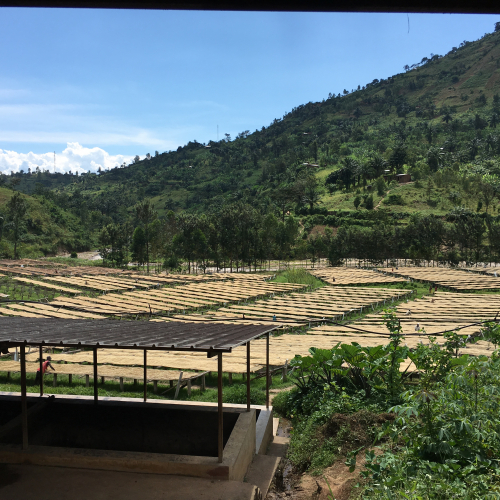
99, 86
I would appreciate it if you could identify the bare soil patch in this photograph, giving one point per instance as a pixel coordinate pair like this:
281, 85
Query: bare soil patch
292, 484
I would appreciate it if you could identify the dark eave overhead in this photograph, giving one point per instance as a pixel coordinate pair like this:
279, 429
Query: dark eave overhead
410, 6
150, 335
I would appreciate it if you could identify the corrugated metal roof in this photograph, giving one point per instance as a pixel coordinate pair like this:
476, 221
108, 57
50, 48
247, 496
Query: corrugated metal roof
168, 336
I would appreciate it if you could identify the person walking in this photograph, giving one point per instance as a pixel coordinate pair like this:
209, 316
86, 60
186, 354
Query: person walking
45, 365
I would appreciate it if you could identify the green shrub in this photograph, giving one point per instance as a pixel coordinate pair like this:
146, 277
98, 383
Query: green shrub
318, 219
331, 220
394, 199
369, 203
381, 186
74, 255
280, 403
448, 435
238, 395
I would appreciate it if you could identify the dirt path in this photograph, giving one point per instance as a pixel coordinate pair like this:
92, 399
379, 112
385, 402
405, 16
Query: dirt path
308, 487
382, 199
274, 392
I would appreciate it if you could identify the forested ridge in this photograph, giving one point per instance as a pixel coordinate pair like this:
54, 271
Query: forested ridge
318, 181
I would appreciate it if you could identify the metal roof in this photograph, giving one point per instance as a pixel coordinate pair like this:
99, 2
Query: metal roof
151, 335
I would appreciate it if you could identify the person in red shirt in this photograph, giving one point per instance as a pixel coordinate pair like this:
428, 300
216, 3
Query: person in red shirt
45, 365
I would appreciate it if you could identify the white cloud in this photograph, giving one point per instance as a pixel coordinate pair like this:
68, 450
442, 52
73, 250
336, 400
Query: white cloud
75, 157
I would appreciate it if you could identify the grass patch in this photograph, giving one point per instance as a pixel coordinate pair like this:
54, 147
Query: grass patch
299, 276
234, 393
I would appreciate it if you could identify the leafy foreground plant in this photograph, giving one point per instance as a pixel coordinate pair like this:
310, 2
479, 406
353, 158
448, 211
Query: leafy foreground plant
340, 398
356, 367
443, 433
445, 441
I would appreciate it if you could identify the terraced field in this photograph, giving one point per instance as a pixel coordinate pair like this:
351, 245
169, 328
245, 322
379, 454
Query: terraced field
455, 279
431, 315
249, 299
348, 276
321, 304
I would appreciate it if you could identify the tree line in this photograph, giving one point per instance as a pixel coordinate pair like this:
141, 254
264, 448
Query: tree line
239, 235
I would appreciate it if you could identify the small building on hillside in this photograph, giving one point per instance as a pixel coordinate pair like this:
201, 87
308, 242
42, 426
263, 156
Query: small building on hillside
403, 178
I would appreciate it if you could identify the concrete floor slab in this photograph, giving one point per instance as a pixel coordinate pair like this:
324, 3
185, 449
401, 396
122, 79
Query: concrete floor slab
35, 482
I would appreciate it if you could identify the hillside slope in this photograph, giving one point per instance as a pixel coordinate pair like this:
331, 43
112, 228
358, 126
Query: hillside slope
437, 120
45, 228
433, 105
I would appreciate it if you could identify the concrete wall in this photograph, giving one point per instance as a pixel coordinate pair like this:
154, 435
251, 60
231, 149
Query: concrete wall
128, 427
162, 425
264, 430
240, 449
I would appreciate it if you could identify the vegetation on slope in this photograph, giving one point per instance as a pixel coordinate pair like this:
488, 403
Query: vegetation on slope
436, 121
436, 438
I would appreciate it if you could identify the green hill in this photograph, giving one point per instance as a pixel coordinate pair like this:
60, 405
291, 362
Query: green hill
324, 162
44, 229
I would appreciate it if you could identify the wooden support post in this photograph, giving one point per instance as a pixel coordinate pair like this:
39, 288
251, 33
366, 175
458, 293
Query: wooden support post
203, 385
178, 388
135, 381
267, 371
95, 376
102, 380
70, 378
121, 384
8, 375
285, 371
220, 409
230, 378
87, 380
145, 375
243, 375
155, 386
248, 376
54, 381
189, 388
24, 405
171, 383
40, 351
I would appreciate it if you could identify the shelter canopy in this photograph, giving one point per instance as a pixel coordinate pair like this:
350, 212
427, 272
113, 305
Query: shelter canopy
171, 336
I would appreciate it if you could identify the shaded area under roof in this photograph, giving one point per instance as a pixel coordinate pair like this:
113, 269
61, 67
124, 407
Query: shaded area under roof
171, 336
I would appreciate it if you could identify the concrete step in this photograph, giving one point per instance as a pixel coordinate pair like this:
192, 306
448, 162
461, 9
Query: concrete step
261, 472
37, 482
278, 447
